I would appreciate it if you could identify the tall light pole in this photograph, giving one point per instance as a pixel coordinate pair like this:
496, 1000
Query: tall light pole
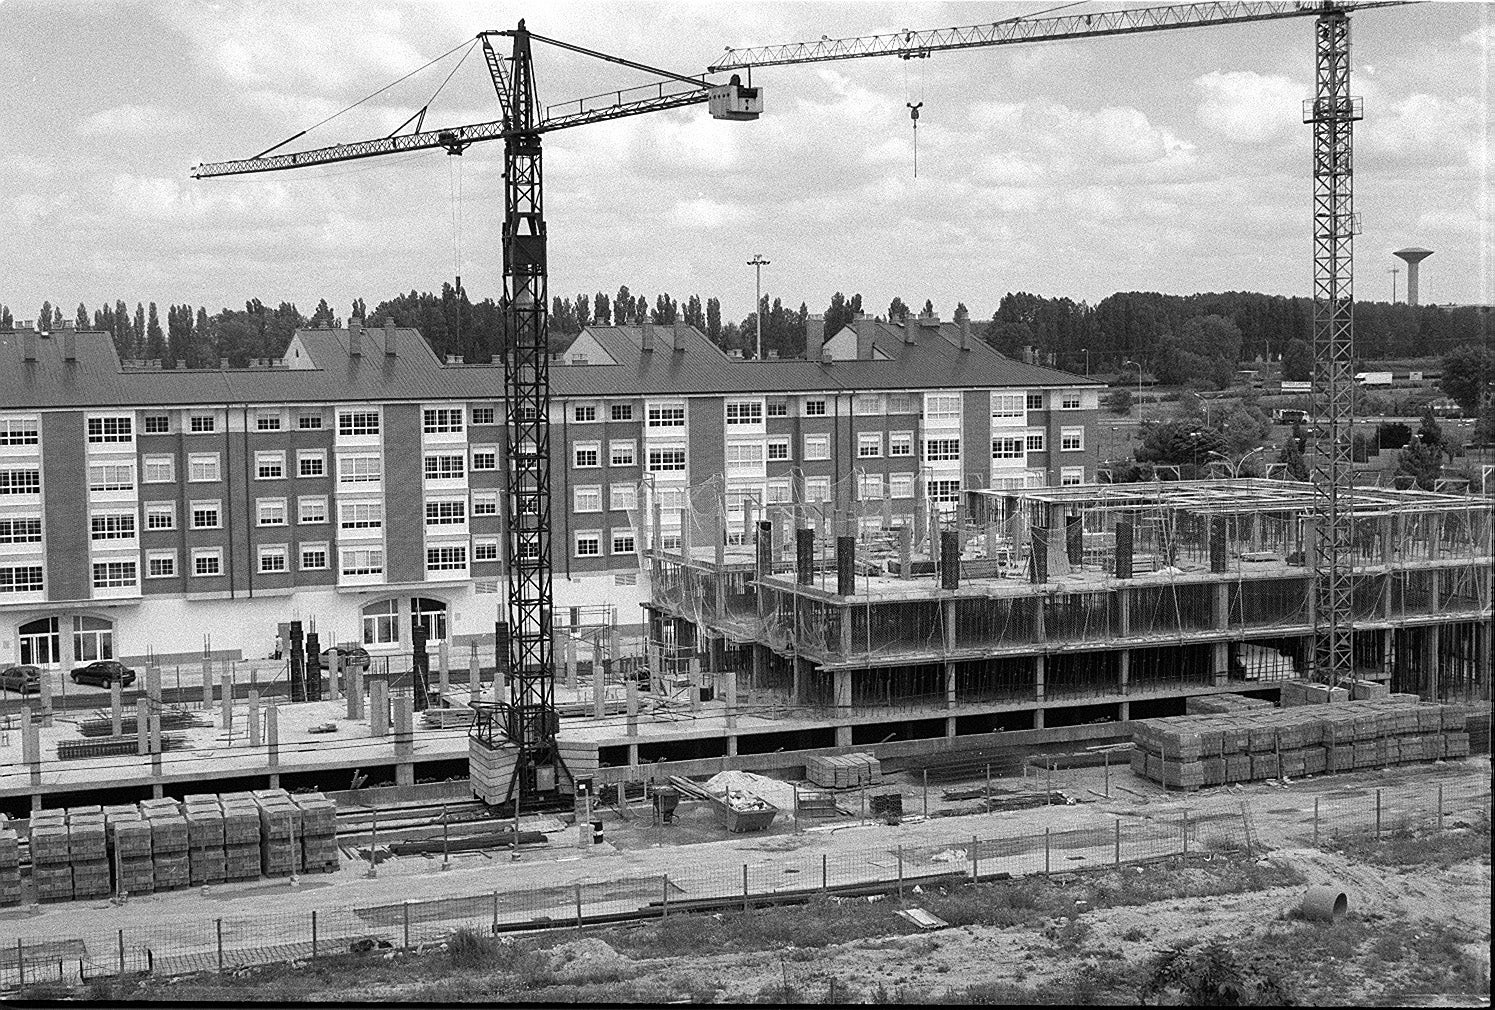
758, 263
1236, 466
1138, 367
1087, 361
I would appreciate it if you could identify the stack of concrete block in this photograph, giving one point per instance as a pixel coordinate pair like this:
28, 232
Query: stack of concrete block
1224, 704
1192, 751
10, 865
241, 836
205, 859
318, 832
169, 843
1302, 692
88, 852
51, 868
129, 840
1369, 690
280, 832
846, 771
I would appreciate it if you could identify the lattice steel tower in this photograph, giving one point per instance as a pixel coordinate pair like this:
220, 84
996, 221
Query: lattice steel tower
1332, 113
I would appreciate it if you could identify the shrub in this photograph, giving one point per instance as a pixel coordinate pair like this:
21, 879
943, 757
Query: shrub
467, 948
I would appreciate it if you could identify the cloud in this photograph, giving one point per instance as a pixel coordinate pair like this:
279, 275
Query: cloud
132, 121
1245, 107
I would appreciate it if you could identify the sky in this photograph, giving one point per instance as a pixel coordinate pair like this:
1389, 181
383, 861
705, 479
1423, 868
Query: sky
1173, 161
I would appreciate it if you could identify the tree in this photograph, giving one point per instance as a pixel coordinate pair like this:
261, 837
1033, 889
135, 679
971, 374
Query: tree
358, 311
1010, 338
323, 316
1430, 433
44, 317
80, 322
1184, 444
897, 311
583, 311
155, 340
928, 308
602, 309
138, 333
1244, 427
623, 306
1422, 462
1292, 456
693, 314
1469, 378
1118, 401
1297, 361
665, 310
714, 320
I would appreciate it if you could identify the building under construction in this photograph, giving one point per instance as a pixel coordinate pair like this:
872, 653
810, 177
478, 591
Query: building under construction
824, 625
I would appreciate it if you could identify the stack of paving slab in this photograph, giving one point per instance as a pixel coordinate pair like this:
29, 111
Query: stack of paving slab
205, 859
1224, 704
1302, 692
846, 771
169, 843
1192, 751
129, 839
241, 836
280, 832
51, 869
10, 865
88, 852
318, 832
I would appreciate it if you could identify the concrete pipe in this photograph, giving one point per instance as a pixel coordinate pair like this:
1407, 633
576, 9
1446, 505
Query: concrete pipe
1323, 903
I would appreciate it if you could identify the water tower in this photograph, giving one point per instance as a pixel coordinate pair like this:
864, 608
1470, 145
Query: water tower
1412, 256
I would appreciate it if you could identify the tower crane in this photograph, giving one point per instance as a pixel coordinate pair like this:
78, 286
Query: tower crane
1332, 113
524, 728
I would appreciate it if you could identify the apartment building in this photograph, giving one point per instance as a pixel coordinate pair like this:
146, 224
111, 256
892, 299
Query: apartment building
357, 482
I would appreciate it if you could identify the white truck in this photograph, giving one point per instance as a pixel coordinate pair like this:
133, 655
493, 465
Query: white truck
1373, 378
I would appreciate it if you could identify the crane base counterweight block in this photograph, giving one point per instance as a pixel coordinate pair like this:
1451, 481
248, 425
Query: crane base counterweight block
735, 101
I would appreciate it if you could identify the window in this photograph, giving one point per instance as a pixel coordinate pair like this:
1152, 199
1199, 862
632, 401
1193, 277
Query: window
308, 422
946, 492
663, 460
485, 505
778, 449
526, 412
901, 485
205, 515
815, 408
313, 557
666, 415
202, 466
1071, 439
585, 454
942, 407
866, 405
19, 431
588, 545
901, 443
1008, 405
621, 454
529, 550
363, 561
158, 469
869, 486
357, 422
941, 449
1069, 400
160, 565
207, 561
485, 550
156, 424
445, 467
747, 412
670, 498
441, 421
111, 477
1008, 448
270, 465
623, 542
111, 429
446, 559
267, 420
160, 515
1035, 441
21, 579
622, 412
270, 511
778, 492
817, 447
272, 559
381, 623
869, 444
112, 526
1034, 401
1071, 475
359, 469
20, 531
903, 403
482, 415
584, 413
817, 489
20, 481
311, 510
484, 457
113, 574
360, 515
587, 498
311, 463
778, 408
744, 457
669, 541
202, 423
622, 496
446, 513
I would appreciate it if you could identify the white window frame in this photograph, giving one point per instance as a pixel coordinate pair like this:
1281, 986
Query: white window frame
311, 509
593, 541
215, 506
152, 558
160, 508
158, 470
485, 505
743, 457
20, 431
112, 526
358, 423
584, 413
356, 469
665, 414
272, 553
903, 403
440, 466
484, 415
869, 445
484, 550
111, 476
315, 459
816, 447
622, 497
23, 480
1072, 439
814, 406
446, 558
203, 468
267, 420
622, 535
1071, 399
901, 444
1009, 405
360, 515
21, 530
942, 407
1033, 400
817, 489
111, 429
581, 450
202, 424
944, 490
941, 449
365, 561
442, 420
677, 460
203, 554
1035, 441
270, 465
313, 548
778, 450
1069, 476
270, 512
586, 498
153, 424
900, 485
739, 412
308, 421
866, 405
618, 449
446, 512
484, 458
620, 412
117, 574
1009, 447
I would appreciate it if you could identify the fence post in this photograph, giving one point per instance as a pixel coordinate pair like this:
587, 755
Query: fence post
1049, 786
21, 963
1046, 851
121, 953
975, 860
1186, 836
373, 846
1315, 821
218, 923
495, 913
405, 916
314, 934
1440, 807
1118, 841
578, 907
744, 888
1378, 815
900, 873
824, 873
1106, 757
666, 895
926, 792
988, 787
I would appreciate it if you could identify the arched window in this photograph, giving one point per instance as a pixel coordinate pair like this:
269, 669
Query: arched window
39, 644
381, 623
93, 638
431, 614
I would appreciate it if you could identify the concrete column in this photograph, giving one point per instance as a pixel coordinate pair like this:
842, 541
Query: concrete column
153, 684
949, 608
1124, 711
404, 740
633, 724
155, 743
254, 718
1123, 612
117, 708
142, 727
571, 662
1222, 606
841, 688
1430, 663
272, 735
1038, 718
45, 689
334, 668
1039, 663
353, 694
444, 668
757, 671
31, 749
1124, 668
599, 696
695, 684
226, 686
798, 690
378, 707
474, 678
207, 682
906, 550
1220, 659
728, 681
358, 692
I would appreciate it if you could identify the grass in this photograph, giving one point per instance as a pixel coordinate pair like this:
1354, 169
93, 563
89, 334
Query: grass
1408, 848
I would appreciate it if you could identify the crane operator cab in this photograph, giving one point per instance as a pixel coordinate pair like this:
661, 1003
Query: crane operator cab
735, 101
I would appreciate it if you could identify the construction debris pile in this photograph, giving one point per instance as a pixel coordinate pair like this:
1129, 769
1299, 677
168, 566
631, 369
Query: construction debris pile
166, 844
1191, 751
845, 771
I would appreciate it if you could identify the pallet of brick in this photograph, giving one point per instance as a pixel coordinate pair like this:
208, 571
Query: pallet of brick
1456, 744
10, 865
1187, 775
1238, 768
1293, 763
280, 847
129, 840
319, 850
1264, 766
88, 854
206, 863
169, 843
1368, 690
51, 867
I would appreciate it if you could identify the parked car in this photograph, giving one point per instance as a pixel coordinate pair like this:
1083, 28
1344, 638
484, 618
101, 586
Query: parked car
24, 679
104, 672
351, 655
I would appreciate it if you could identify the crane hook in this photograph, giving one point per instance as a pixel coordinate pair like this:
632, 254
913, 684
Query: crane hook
913, 114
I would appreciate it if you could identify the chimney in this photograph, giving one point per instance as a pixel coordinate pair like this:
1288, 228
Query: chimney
69, 345
864, 336
389, 337
814, 336
355, 338
678, 333
827, 356
646, 336
963, 319
28, 345
909, 322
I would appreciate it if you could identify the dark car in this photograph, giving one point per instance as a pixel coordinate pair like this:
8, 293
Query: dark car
104, 672
351, 655
23, 679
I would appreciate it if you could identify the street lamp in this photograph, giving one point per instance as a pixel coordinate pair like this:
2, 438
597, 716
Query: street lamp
1235, 467
1138, 367
1087, 361
758, 263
